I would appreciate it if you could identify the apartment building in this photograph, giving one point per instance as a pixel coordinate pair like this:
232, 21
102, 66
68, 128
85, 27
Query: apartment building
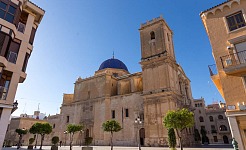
19, 20
226, 28
212, 118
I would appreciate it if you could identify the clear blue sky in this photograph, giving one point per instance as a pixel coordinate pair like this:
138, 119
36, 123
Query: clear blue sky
76, 36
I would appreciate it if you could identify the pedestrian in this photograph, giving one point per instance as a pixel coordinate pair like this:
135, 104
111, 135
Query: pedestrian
60, 143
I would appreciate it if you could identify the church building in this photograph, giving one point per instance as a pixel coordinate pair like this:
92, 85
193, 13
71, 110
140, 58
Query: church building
115, 93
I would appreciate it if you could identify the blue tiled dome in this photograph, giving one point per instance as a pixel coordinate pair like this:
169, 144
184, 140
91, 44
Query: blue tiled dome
113, 63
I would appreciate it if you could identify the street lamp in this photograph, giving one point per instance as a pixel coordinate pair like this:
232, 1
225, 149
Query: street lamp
138, 122
65, 132
15, 106
81, 131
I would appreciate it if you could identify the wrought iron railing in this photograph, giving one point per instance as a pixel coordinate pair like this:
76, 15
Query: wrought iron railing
212, 69
233, 59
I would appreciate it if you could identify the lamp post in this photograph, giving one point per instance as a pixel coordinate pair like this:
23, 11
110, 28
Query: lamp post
15, 106
65, 132
81, 131
138, 122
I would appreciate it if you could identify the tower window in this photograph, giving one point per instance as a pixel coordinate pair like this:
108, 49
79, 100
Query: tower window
127, 112
1, 110
89, 95
67, 119
201, 119
220, 117
113, 114
152, 35
211, 118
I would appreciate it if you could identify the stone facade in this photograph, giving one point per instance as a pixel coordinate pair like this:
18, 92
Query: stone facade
17, 33
225, 26
12, 137
114, 93
213, 119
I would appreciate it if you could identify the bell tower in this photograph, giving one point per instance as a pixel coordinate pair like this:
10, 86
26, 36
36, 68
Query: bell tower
161, 75
158, 61
156, 39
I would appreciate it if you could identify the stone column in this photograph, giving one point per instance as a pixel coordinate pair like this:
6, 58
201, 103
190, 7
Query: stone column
235, 132
29, 24
4, 121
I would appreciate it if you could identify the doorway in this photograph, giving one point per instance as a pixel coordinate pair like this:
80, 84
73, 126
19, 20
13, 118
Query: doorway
225, 139
142, 136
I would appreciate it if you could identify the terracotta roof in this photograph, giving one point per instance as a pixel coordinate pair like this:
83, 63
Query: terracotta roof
37, 6
215, 6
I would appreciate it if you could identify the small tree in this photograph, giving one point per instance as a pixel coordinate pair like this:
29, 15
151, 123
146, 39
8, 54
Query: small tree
171, 139
30, 146
31, 140
72, 129
35, 130
42, 129
179, 120
88, 141
55, 140
111, 126
204, 135
20, 132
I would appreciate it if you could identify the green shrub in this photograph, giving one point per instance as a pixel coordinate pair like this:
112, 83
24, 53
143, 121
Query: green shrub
31, 140
55, 140
171, 138
88, 141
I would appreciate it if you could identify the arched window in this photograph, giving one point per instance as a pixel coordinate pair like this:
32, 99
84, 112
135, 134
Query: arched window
211, 118
223, 128
201, 119
220, 117
152, 35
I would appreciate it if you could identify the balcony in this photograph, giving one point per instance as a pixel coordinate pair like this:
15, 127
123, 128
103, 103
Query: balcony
234, 63
215, 78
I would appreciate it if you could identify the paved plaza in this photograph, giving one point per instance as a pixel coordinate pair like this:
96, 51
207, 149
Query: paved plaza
123, 148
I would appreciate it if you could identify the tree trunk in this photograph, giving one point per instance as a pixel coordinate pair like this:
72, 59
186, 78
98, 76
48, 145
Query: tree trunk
36, 141
111, 139
71, 140
42, 139
180, 138
19, 143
